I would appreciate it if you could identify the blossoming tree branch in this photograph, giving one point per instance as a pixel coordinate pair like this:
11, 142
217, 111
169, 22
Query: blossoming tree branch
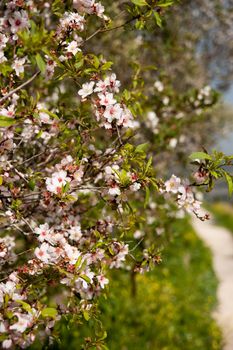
75, 181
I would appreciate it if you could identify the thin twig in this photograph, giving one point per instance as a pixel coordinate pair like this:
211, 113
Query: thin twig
131, 250
25, 251
119, 135
104, 30
27, 223
19, 87
29, 159
17, 172
18, 228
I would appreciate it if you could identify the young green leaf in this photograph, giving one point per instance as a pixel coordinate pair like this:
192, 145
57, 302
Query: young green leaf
200, 155
40, 63
24, 305
165, 3
158, 19
139, 2
6, 121
49, 312
229, 182
141, 148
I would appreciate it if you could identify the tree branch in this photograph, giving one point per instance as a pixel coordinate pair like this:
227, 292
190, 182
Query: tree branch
19, 87
104, 30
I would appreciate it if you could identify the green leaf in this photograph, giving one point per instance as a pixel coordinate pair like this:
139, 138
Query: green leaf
200, 155
165, 3
215, 174
1, 180
40, 63
85, 278
158, 19
5, 69
86, 315
79, 261
154, 183
123, 176
106, 66
31, 184
148, 165
49, 312
24, 305
96, 62
6, 121
142, 148
58, 7
229, 182
104, 336
111, 250
79, 64
127, 95
139, 2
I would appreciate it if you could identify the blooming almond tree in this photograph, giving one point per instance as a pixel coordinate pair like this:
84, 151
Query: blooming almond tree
75, 181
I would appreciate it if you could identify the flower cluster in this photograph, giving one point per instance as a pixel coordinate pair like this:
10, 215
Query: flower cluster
71, 21
67, 172
21, 321
108, 111
185, 196
90, 7
7, 254
13, 21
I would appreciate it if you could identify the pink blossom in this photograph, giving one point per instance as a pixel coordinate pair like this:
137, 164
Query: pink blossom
55, 183
3, 40
75, 233
43, 232
19, 21
173, 185
24, 321
113, 112
135, 187
72, 20
8, 112
2, 57
113, 83
7, 343
106, 99
84, 6
114, 190
103, 281
72, 253
101, 86
42, 253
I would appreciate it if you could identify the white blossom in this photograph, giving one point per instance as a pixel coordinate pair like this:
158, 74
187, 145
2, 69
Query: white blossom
87, 89
173, 185
18, 65
73, 47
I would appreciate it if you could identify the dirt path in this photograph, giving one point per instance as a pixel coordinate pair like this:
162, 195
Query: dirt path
220, 241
